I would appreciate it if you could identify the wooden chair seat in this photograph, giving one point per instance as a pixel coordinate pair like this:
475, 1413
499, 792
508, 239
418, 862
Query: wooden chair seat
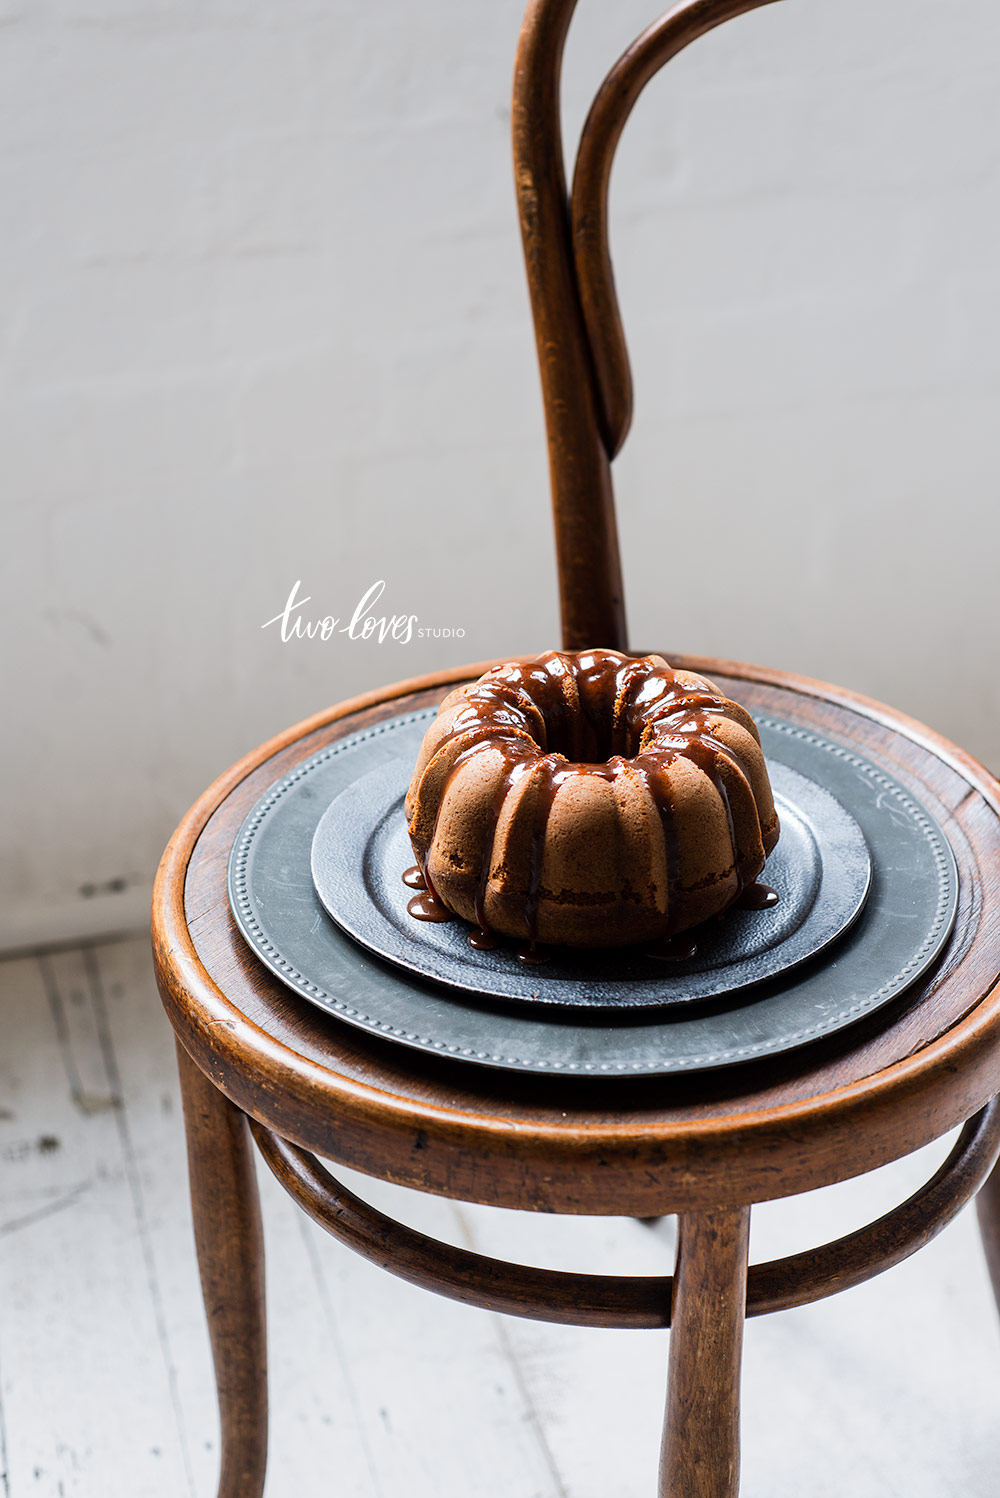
640, 1146
704, 1146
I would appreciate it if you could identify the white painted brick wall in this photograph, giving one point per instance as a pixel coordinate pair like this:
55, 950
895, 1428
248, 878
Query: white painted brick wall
262, 317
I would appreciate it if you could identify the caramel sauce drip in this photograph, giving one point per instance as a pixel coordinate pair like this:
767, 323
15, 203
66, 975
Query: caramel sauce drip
427, 907
653, 771
533, 955
680, 948
515, 763
549, 780
705, 752
758, 897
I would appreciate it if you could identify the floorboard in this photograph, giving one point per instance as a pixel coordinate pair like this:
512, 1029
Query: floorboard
378, 1388
86, 1376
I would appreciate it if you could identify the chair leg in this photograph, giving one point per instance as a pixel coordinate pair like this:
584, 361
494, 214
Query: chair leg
701, 1438
988, 1211
227, 1230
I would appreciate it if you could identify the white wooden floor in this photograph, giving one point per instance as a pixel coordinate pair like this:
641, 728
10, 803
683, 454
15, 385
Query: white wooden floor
379, 1389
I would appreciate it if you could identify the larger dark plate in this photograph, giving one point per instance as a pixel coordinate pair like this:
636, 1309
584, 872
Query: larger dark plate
820, 869
898, 936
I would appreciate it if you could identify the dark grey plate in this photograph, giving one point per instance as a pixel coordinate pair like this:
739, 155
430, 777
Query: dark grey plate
820, 869
898, 936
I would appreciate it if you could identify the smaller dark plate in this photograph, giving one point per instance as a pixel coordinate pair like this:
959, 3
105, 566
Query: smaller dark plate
821, 870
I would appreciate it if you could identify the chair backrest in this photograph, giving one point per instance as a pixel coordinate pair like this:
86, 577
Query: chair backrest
586, 382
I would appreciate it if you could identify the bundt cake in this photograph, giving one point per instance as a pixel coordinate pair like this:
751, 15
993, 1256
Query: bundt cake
590, 798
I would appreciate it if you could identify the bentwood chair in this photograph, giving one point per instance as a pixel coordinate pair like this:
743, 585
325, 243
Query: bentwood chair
260, 1066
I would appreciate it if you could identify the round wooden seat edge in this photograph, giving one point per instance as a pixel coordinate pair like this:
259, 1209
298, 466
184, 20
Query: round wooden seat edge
507, 1156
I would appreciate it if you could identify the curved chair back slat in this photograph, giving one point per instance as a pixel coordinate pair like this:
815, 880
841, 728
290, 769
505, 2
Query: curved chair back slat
582, 353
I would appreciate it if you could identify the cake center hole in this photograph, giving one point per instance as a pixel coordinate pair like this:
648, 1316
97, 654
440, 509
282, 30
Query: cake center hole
586, 737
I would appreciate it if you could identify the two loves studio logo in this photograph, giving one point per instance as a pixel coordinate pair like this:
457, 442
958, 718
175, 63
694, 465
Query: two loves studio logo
366, 623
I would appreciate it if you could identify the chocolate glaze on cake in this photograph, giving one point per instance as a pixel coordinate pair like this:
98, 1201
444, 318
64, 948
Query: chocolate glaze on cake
590, 798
